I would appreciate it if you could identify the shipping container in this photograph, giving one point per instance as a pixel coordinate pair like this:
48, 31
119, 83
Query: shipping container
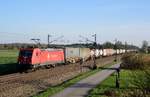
76, 54
85, 53
72, 52
114, 52
97, 53
101, 52
124, 51
118, 52
108, 52
92, 52
104, 52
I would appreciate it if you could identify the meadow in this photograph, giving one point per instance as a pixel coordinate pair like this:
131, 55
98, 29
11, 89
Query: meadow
8, 60
134, 79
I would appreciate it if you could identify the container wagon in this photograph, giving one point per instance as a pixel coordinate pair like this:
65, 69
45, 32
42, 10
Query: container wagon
35, 57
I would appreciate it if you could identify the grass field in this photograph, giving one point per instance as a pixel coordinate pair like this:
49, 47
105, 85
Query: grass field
8, 60
133, 83
108, 86
8, 53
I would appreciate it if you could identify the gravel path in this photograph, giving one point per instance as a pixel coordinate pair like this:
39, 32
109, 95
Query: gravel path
81, 88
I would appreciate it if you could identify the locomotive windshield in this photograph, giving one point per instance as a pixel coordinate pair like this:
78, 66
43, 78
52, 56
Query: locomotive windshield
26, 53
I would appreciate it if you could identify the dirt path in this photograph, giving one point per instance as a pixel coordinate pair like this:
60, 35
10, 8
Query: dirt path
81, 88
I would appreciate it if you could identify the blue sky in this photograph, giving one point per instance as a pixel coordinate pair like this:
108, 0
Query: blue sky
126, 20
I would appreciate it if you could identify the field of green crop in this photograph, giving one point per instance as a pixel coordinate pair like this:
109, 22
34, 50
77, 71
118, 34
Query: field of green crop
8, 60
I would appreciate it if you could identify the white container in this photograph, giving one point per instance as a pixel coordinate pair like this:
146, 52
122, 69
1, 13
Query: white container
118, 52
101, 52
97, 53
104, 52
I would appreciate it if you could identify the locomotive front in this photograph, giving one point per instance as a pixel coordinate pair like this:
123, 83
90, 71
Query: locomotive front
25, 58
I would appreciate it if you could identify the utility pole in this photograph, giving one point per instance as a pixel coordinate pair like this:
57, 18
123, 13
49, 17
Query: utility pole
95, 40
115, 47
95, 46
54, 40
126, 47
48, 40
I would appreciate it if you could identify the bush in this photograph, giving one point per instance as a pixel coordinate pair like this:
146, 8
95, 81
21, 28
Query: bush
141, 80
140, 66
111, 93
135, 61
133, 93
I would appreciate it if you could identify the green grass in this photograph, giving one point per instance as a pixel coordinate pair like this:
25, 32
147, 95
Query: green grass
8, 58
109, 85
8, 53
55, 89
138, 74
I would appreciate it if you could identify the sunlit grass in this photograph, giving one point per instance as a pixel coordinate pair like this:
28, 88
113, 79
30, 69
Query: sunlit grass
8, 60
110, 85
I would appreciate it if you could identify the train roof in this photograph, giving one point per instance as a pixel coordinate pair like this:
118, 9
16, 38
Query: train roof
51, 49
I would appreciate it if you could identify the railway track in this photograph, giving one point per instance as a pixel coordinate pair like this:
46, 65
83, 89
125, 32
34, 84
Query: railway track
10, 76
26, 83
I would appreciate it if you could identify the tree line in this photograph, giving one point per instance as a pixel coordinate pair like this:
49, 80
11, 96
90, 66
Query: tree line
117, 45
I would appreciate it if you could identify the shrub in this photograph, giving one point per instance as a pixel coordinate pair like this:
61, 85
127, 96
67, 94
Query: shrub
141, 80
140, 66
133, 93
135, 61
111, 93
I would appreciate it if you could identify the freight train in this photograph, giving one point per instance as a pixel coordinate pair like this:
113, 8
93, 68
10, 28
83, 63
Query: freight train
35, 57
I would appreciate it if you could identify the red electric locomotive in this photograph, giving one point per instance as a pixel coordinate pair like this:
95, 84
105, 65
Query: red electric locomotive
35, 57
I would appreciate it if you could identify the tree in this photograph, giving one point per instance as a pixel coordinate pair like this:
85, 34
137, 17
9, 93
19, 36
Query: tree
145, 46
119, 45
108, 45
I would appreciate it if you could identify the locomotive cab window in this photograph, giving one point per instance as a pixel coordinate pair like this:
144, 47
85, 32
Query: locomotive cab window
26, 53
